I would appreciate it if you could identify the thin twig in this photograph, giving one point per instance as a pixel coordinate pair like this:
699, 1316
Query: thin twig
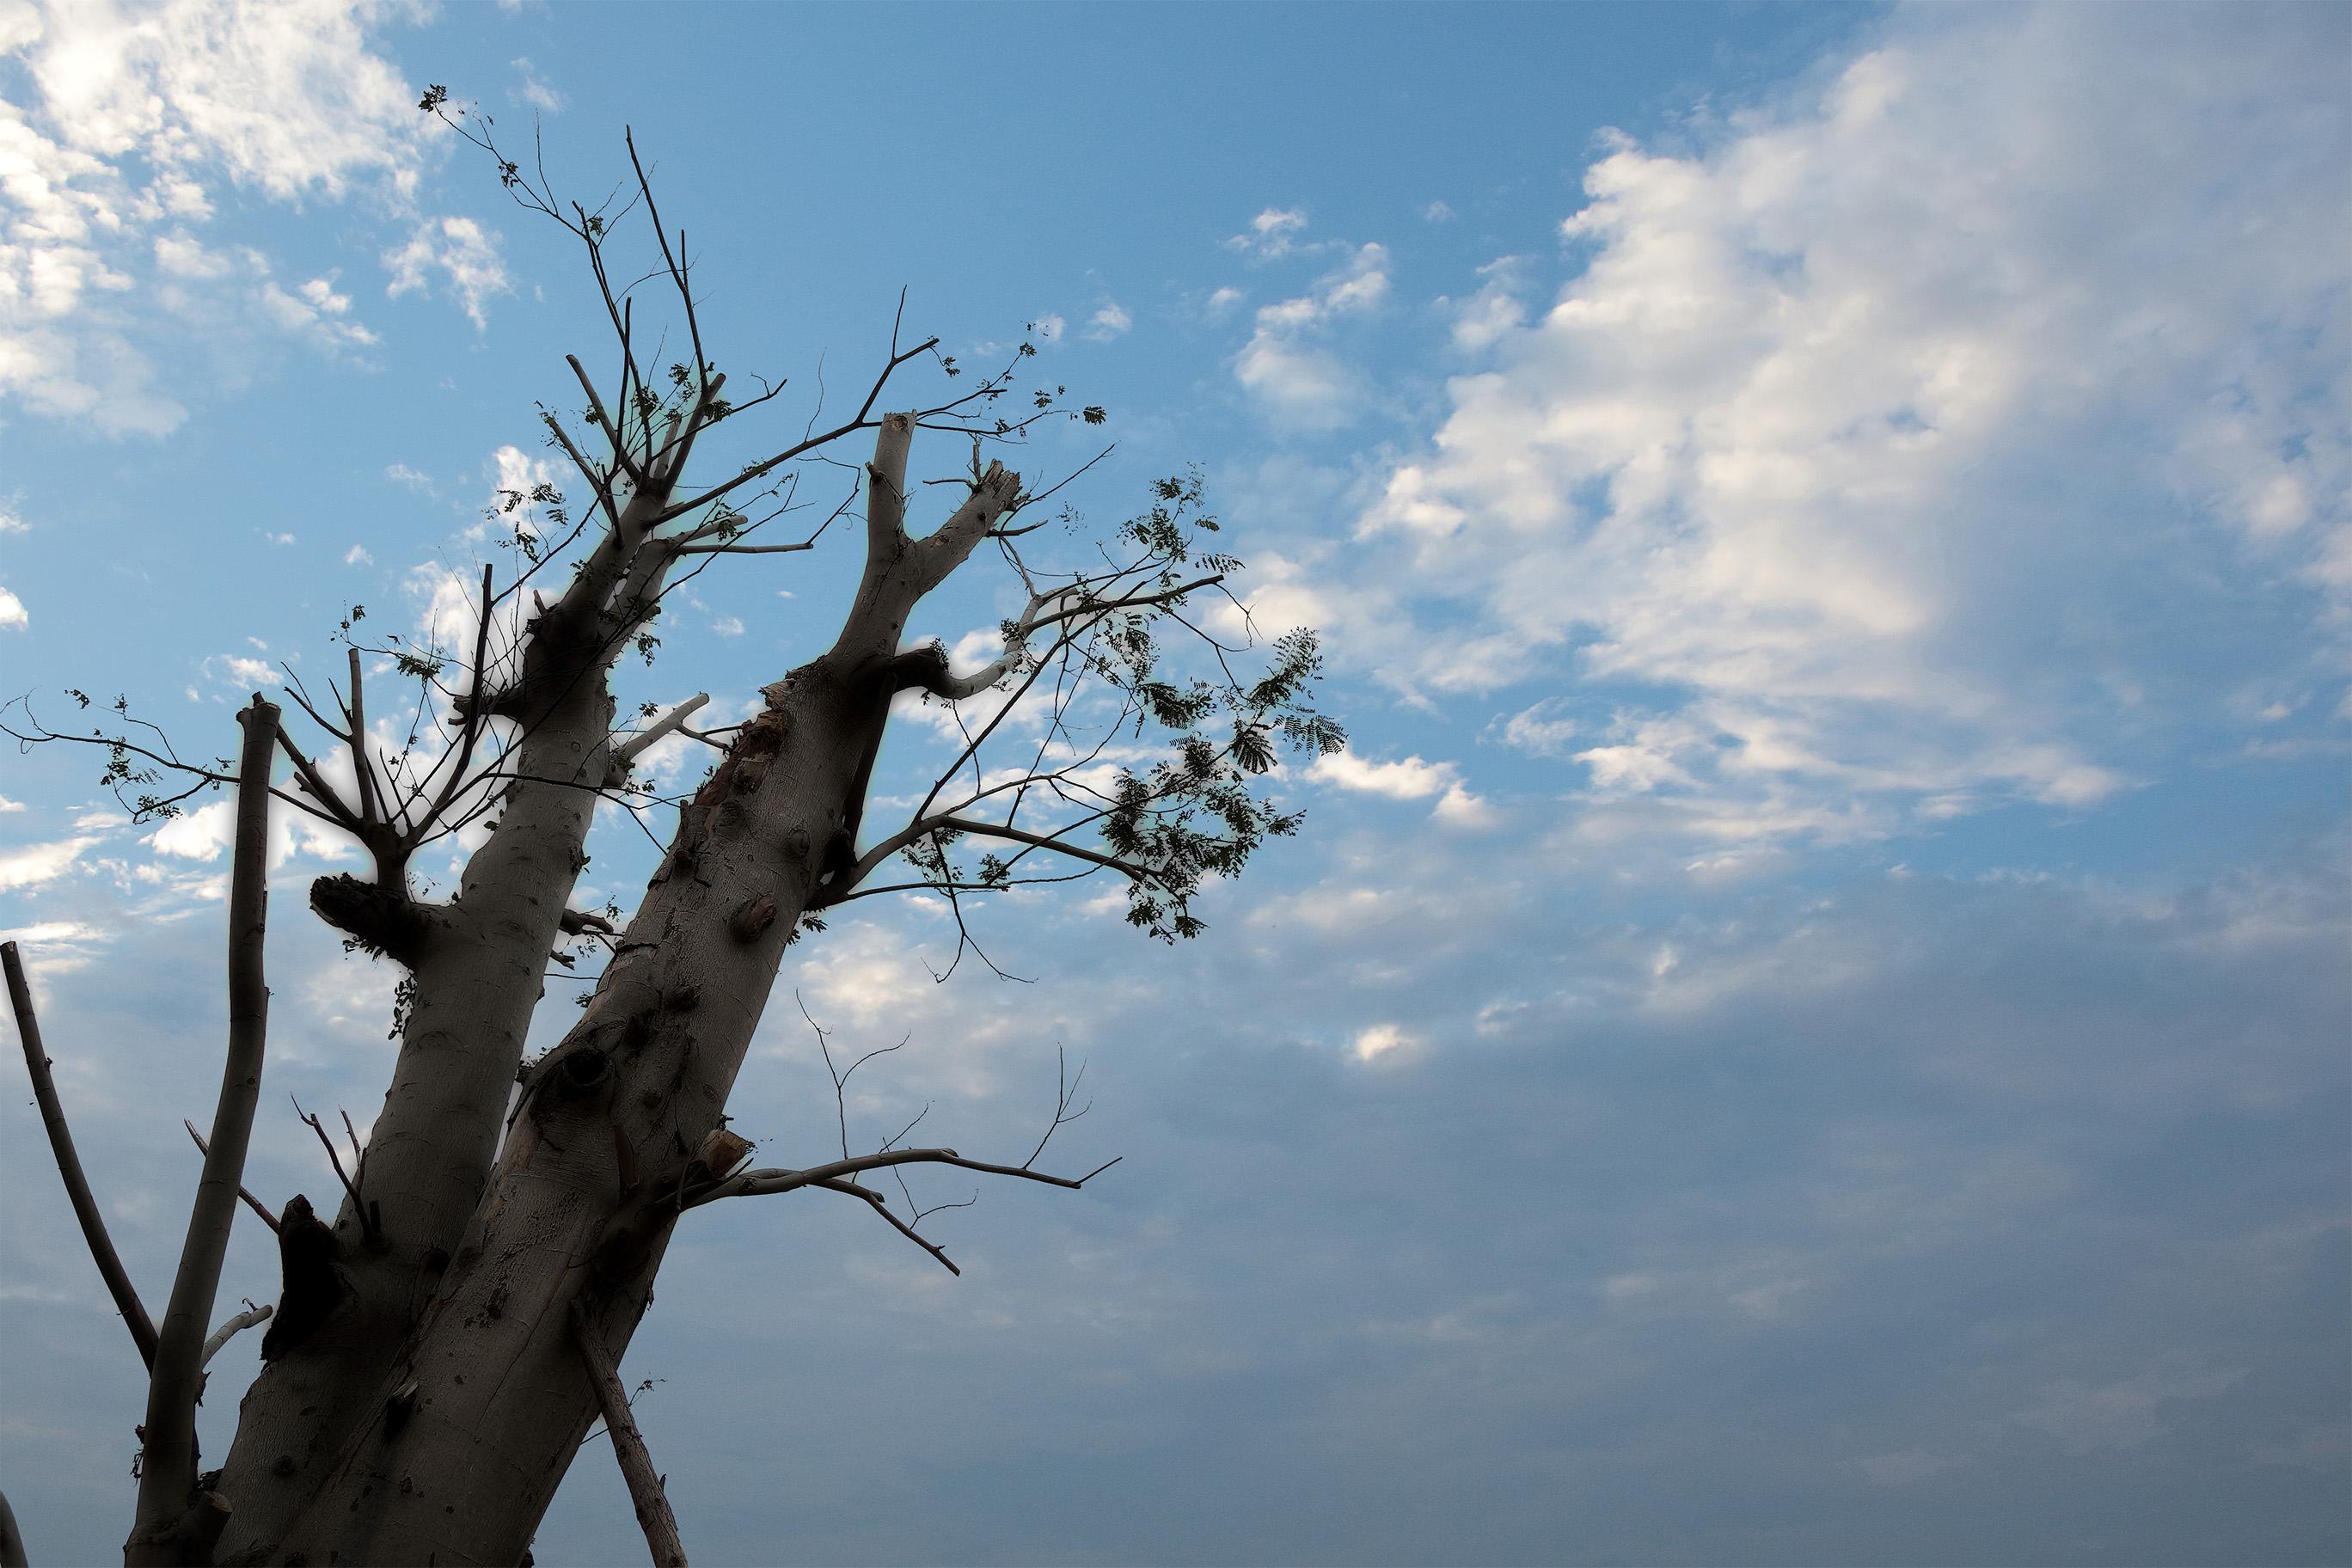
752, 1183
349, 1186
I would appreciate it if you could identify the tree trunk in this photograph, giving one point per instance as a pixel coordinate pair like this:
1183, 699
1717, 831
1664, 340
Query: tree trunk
431, 1416
470, 1428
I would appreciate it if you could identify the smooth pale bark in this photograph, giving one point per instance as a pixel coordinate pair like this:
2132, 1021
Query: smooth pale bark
173, 1524
477, 977
471, 1423
430, 1416
496, 1397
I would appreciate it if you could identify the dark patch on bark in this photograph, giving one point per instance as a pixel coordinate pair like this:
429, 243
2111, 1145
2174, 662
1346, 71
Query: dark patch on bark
313, 1285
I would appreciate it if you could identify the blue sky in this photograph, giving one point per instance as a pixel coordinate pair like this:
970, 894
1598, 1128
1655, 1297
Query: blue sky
1809, 1025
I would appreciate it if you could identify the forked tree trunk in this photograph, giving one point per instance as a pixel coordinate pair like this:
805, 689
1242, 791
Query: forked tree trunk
431, 1417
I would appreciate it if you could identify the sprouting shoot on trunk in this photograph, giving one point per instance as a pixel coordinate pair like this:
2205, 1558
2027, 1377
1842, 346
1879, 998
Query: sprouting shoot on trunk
441, 1345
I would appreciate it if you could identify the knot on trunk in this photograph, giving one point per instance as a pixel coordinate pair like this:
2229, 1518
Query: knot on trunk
383, 921
751, 920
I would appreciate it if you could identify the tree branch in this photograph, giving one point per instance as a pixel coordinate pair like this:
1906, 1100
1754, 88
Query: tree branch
256, 1205
751, 1184
654, 1515
61, 1145
882, 1206
168, 1476
886, 491
636, 745
234, 1327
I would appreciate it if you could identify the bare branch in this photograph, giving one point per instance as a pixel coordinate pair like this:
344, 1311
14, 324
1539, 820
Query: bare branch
256, 1205
654, 1515
234, 1327
361, 767
351, 1185
168, 1474
596, 481
644, 739
603, 421
882, 1206
318, 788
754, 1182
743, 549
61, 1145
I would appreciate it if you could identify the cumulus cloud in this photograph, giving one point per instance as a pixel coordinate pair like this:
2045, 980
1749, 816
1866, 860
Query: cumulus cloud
1110, 321
129, 118
33, 864
462, 251
1274, 232
534, 92
1407, 779
11, 612
1288, 363
1834, 453
209, 832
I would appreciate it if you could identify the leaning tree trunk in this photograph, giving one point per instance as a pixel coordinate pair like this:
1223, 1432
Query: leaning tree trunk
433, 1417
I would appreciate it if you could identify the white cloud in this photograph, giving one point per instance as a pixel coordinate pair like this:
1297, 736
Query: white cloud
357, 555
1411, 779
1109, 321
1437, 212
1048, 327
1543, 730
126, 116
7, 806
1285, 362
316, 311
208, 832
1840, 439
1271, 233
33, 864
1382, 1041
535, 92
11, 612
728, 625
463, 251
1408, 779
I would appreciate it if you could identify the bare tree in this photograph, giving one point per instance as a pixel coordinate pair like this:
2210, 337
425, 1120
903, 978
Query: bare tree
438, 1352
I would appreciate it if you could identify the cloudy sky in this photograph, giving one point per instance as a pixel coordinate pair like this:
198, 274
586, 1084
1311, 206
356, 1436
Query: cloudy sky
1809, 1025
